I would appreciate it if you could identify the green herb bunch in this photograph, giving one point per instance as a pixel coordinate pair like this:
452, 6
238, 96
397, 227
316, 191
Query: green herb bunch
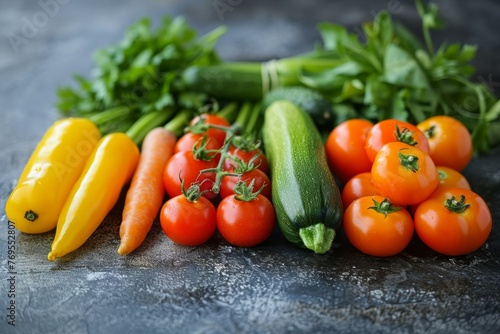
137, 76
387, 73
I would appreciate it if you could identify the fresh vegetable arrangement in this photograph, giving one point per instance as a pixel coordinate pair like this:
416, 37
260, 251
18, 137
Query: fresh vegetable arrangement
236, 148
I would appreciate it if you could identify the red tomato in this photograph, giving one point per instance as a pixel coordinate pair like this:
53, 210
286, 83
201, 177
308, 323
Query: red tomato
453, 221
188, 223
217, 134
449, 177
245, 223
246, 156
229, 182
405, 174
376, 227
183, 165
393, 130
190, 139
345, 149
358, 186
450, 143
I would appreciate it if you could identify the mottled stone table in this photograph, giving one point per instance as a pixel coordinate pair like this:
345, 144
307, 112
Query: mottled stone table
217, 288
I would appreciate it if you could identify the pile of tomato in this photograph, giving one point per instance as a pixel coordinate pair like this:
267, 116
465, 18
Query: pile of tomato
239, 206
401, 179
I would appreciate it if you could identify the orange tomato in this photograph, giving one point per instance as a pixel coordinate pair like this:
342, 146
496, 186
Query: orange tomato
358, 186
376, 227
450, 143
453, 221
393, 130
448, 177
405, 174
345, 149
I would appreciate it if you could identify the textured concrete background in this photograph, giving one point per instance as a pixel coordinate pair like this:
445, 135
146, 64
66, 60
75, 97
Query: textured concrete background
217, 288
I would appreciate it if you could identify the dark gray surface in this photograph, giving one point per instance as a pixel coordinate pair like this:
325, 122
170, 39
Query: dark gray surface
217, 288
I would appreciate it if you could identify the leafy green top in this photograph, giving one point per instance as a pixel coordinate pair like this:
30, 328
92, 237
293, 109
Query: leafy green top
379, 73
137, 75
386, 73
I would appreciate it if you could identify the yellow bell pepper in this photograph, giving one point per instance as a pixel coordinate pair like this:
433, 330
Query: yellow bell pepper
110, 167
53, 168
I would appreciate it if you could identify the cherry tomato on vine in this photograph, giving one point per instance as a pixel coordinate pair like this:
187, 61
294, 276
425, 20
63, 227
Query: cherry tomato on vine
245, 223
393, 130
345, 149
405, 174
453, 221
188, 223
184, 166
358, 186
229, 182
448, 177
246, 156
376, 227
450, 143
212, 119
188, 140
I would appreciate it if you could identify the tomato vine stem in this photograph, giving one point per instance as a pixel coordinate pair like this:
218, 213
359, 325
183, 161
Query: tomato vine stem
237, 132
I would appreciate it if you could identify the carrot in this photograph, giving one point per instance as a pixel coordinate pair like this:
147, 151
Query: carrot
145, 195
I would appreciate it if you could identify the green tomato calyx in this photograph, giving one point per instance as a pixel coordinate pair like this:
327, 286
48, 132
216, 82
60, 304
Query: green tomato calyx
385, 207
456, 206
405, 136
244, 192
200, 151
430, 132
193, 193
409, 161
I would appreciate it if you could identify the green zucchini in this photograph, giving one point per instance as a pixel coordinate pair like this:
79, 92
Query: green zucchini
226, 81
305, 195
312, 102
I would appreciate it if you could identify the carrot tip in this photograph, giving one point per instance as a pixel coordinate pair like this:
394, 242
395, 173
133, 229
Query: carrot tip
122, 250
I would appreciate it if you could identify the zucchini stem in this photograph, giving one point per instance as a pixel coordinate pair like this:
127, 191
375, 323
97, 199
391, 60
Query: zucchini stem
317, 238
